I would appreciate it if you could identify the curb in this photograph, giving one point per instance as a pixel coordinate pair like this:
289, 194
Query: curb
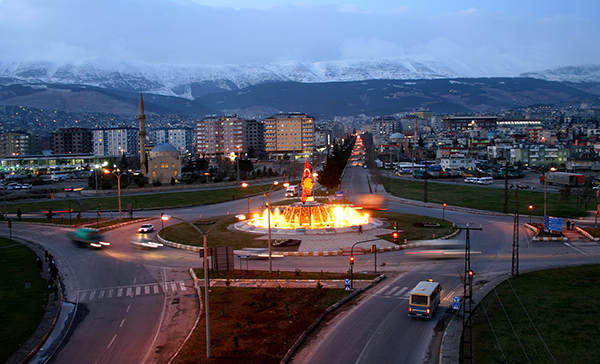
544, 238
288, 356
586, 234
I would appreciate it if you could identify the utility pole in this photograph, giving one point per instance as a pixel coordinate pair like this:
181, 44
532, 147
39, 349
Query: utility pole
506, 189
515, 247
467, 341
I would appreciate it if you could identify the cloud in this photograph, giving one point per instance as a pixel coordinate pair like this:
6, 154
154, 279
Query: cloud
495, 40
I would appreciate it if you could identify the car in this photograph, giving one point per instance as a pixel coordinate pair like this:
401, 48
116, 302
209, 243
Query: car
68, 189
597, 187
145, 243
146, 228
26, 186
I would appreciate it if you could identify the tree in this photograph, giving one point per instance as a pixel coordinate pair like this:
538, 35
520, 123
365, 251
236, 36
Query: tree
124, 164
50, 214
19, 213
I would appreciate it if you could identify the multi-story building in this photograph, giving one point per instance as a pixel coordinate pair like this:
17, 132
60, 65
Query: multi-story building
539, 155
470, 122
16, 143
72, 141
182, 138
114, 142
291, 133
218, 137
386, 125
255, 137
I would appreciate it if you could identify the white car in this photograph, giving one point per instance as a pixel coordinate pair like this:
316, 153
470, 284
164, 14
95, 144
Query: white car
146, 228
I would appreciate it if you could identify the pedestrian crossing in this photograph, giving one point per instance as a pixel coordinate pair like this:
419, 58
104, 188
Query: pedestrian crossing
130, 291
394, 292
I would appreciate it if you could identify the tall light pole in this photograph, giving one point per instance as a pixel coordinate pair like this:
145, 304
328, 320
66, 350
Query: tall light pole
96, 166
238, 162
204, 235
552, 169
268, 193
117, 172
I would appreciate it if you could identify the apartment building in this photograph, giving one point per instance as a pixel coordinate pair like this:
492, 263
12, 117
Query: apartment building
181, 138
72, 141
290, 133
114, 142
16, 143
217, 137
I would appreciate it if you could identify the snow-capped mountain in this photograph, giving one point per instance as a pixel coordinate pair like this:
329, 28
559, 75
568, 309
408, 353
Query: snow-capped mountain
184, 81
576, 74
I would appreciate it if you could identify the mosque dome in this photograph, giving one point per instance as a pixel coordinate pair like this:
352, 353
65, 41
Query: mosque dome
164, 147
397, 136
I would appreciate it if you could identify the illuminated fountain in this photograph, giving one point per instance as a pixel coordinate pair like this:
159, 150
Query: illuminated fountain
308, 216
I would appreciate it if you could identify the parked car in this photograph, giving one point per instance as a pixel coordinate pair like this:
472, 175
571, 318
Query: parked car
146, 228
68, 189
26, 186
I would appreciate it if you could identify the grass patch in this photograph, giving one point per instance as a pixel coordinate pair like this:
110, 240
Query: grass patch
562, 303
297, 274
21, 309
483, 198
256, 325
219, 235
410, 225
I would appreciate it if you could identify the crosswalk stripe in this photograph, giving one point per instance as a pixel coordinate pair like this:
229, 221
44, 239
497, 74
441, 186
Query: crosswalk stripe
138, 291
147, 289
119, 292
101, 295
110, 293
129, 292
82, 297
392, 291
400, 291
182, 285
173, 287
92, 294
156, 289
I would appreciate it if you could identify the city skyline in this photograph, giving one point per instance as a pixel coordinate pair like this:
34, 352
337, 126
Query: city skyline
475, 38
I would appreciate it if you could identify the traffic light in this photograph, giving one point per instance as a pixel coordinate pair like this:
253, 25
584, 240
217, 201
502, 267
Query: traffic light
445, 205
352, 260
530, 208
373, 248
470, 273
395, 236
395, 226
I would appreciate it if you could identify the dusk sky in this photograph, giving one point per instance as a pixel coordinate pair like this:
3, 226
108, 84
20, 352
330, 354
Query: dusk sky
480, 38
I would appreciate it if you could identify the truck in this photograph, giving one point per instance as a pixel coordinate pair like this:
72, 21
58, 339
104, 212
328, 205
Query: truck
564, 179
292, 191
87, 237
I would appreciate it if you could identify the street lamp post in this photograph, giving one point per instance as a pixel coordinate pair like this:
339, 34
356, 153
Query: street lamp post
204, 235
268, 193
96, 175
117, 172
238, 162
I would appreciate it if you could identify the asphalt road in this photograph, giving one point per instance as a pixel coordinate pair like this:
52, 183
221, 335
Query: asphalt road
123, 296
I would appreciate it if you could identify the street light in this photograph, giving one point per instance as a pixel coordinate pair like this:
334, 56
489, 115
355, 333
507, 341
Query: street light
552, 169
204, 235
117, 172
268, 193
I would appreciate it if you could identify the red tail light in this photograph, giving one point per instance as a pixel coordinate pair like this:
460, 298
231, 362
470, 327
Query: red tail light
428, 311
410, 309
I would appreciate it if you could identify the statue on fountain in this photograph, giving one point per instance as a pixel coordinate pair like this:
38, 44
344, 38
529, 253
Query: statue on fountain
307, 183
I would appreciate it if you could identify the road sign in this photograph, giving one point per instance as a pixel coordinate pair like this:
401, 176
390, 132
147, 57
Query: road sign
339, 194
347, 284
244, 256
456, 299
455, 306
553, 223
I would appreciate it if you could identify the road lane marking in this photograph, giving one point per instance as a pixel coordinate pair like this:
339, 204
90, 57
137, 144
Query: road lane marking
113, 340
122, 322
128, 307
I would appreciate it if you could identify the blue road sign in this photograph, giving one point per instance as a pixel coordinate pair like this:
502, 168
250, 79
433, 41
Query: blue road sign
244, 256
347, 284
456, 299
455, 306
